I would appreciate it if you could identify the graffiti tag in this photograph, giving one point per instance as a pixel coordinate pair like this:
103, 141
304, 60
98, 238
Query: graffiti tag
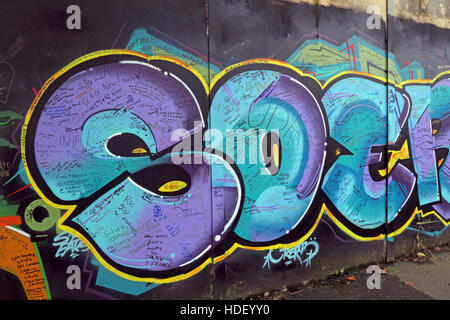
68, 243
302, 254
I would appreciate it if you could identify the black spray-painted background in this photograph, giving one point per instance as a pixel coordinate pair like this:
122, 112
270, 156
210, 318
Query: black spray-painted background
36, 44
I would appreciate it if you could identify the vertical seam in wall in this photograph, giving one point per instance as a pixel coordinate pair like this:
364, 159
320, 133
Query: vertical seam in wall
386, 242
213, 269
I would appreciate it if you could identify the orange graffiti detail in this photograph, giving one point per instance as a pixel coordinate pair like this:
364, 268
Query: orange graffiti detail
19, 257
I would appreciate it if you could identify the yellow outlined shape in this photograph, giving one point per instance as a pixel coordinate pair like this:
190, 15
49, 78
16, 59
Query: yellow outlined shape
71, 208
324, 209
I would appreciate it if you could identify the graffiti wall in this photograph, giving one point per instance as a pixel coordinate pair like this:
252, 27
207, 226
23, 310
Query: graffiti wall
215, 149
